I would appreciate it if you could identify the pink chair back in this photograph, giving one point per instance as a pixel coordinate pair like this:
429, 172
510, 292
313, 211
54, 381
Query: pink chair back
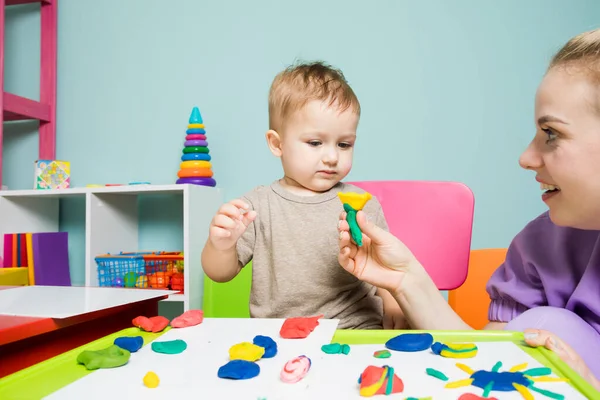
435, 221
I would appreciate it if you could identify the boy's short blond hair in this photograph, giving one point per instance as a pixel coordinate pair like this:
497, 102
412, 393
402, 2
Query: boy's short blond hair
300, 83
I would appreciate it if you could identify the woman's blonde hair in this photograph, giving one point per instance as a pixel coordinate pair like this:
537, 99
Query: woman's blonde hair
582, 51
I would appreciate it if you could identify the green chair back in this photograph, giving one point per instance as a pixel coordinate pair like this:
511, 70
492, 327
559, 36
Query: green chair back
230, 299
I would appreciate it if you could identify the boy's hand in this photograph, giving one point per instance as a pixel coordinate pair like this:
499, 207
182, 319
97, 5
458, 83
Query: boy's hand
539, 337
229, 224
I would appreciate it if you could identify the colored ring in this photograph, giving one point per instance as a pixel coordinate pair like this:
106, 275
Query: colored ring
195, 164
194, 130
191, 143
196, 149
195, 126
195, 136
197, 181
195, 156
195, 173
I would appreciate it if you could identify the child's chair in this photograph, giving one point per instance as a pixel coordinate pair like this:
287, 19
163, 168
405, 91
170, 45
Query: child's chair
470, 300
434, 219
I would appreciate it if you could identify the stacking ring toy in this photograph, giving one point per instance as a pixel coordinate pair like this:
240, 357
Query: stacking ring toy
198, 173
195, 156
195, 136
196, 149
197, 181
195, 164
196, 131
191, 143
195, 126
294, 370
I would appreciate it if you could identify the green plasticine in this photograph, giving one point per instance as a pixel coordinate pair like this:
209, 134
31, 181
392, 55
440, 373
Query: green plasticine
110, 357
169, 347
335, 348
538, 371
355, 231
436, 374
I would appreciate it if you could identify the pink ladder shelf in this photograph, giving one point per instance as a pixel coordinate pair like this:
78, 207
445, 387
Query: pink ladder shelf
17, 108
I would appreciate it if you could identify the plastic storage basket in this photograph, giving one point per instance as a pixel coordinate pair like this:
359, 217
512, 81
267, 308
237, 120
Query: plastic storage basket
156, 270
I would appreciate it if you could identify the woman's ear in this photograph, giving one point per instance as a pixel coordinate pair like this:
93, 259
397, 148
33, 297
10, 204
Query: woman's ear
274, 142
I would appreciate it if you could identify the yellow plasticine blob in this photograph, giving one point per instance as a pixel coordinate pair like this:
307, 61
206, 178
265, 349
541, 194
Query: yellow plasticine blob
355, 200
151, 380
195, 126
246, 351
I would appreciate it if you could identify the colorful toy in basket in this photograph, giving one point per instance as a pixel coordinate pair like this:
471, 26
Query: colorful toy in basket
157, 270
353, 203
195, 167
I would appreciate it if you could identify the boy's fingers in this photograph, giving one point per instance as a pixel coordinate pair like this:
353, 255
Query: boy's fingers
249, 217
215, 231
223, 221
239, 203
231, 211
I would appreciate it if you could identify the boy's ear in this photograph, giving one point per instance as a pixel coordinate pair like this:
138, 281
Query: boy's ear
274, 142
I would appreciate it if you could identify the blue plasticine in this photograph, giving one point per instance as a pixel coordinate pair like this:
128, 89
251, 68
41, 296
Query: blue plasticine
195, 117
410, 342
503, 381
239, 369
195, 156
131, 344
195, 131
268, 344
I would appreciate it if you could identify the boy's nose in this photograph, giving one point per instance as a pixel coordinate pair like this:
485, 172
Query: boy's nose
330, 157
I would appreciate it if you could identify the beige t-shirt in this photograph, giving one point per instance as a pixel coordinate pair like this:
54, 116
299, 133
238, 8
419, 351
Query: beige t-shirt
293, 245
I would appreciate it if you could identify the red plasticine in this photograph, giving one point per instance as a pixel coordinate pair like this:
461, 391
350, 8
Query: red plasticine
299, 327
471, 396
188, 318
153, 324
372, 375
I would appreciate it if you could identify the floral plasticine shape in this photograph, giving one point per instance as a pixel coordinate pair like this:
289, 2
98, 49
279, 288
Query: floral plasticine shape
353, 203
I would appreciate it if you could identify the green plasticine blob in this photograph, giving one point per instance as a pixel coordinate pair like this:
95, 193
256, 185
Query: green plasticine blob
436, 374
335, 348
111, 357
170, 347
355, 231
382, 354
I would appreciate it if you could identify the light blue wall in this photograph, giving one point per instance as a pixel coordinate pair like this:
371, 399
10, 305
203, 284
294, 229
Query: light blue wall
446, 89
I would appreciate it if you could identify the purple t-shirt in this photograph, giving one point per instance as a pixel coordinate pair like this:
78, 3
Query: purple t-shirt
548, 265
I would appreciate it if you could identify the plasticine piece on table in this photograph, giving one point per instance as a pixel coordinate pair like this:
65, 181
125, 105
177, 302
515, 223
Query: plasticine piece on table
266, 343
294, 370
471, 396
110, 357
515, 379
188, 318
130, 343
382, 354
436, 374
246, 351
335, 348
169, 347
299, 327
379, 380
153, 324
239, 369
353, 203
410, 342
455, 350
151, 380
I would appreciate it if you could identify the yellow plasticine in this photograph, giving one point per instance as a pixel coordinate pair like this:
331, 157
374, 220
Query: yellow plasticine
195, 164
246, 351
151, 380
195, 126
460, 350
355, 200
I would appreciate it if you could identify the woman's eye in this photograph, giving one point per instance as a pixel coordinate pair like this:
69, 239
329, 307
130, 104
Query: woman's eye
550, 135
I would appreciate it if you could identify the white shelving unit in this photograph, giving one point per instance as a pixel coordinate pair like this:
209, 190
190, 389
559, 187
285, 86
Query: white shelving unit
112, 225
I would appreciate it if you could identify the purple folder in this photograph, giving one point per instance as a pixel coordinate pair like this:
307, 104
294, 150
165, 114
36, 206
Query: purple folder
51, 258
